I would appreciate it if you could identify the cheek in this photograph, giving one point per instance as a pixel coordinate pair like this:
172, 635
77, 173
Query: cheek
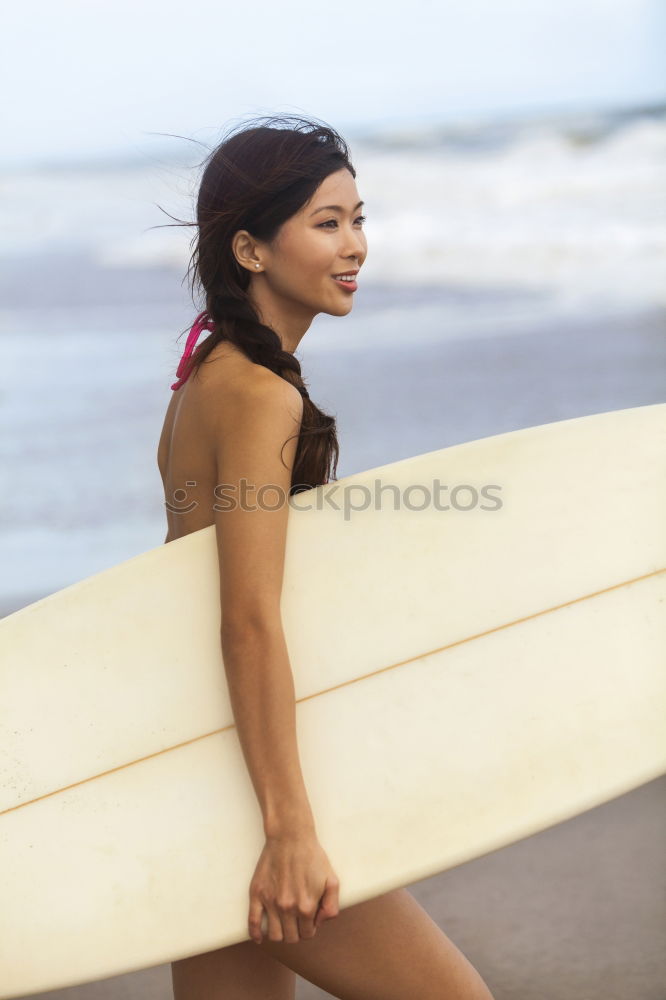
318, 262
308, 259
319, 253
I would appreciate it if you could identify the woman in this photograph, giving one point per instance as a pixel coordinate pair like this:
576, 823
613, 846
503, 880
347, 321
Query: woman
278, 217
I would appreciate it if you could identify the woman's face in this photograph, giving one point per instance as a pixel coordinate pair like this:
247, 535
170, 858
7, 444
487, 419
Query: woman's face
296, 278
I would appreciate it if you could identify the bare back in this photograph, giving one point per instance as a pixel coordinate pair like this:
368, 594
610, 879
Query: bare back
186, 453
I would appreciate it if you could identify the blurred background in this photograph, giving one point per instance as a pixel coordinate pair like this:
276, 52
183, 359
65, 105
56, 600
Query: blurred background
511, 156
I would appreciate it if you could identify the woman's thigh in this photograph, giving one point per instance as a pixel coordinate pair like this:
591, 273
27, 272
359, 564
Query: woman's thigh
241, 971
387, 948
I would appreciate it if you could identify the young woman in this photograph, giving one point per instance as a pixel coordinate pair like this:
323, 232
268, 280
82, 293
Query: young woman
278, 222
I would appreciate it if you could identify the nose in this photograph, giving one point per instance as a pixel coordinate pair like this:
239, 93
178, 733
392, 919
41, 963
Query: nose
355, 244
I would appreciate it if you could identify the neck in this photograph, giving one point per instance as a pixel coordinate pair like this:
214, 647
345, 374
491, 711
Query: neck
290, 320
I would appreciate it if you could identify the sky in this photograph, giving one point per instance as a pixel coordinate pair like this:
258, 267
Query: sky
91, 80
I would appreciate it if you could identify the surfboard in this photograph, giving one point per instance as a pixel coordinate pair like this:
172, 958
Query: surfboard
477, 637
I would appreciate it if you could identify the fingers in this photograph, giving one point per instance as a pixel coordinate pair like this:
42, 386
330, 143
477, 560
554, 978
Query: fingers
287, 922
329, 904
296, 920
255, 922
294, 911
276, 920
269, 919
306, 921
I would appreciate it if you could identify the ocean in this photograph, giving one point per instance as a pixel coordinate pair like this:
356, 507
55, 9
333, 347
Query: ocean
515, 276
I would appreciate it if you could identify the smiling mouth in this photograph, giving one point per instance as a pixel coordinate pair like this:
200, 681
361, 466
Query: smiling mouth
350, 285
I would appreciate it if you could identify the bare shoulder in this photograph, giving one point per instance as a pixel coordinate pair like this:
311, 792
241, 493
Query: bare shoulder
265, 387
235, 391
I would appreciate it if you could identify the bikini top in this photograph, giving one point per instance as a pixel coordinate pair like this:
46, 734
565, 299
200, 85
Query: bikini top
202, 322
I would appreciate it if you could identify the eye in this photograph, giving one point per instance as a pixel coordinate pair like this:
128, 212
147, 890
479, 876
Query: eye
334, 222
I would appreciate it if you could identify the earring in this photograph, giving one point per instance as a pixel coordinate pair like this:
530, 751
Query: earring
256, 265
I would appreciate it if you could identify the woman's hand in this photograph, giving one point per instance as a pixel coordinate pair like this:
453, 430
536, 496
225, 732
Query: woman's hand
296, 886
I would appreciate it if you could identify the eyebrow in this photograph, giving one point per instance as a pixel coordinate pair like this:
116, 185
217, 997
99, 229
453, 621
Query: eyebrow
335, 208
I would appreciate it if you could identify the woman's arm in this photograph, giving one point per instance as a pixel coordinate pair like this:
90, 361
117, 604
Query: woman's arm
253, 423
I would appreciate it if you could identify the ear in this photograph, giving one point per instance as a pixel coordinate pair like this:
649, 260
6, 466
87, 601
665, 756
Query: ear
246, 250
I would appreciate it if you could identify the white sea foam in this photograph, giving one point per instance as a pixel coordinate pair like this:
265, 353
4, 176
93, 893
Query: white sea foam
584, 221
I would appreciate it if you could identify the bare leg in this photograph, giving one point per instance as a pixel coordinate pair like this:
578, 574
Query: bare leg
387, 948
241, 971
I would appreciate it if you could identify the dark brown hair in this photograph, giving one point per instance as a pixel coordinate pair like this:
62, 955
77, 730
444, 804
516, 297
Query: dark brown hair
257, 178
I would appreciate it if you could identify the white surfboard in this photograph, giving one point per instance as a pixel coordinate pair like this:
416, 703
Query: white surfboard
464, 678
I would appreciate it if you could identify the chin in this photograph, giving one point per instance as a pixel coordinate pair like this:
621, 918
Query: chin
341, 308
338, 311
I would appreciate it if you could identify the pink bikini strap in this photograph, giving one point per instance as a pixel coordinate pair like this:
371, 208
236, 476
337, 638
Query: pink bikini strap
202, 322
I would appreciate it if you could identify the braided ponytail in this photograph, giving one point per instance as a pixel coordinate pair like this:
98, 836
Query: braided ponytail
257, 179
236, 321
